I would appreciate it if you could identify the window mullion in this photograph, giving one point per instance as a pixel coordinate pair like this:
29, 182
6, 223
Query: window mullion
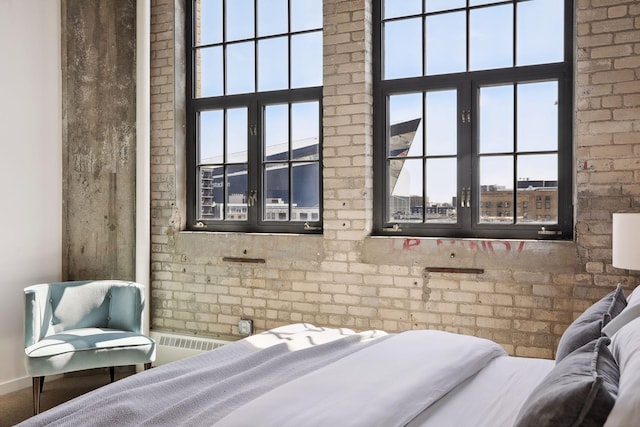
516, 152
254, 162
467, 155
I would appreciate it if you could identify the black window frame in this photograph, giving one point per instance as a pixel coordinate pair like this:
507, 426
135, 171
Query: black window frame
467, 84
255, 102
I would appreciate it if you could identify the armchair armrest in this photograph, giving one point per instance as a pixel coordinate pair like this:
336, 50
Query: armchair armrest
38, 314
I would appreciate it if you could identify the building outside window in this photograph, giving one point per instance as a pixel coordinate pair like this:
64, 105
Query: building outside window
254, 135
474, 112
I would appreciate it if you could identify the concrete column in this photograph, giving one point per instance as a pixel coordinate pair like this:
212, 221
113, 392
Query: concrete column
99, 138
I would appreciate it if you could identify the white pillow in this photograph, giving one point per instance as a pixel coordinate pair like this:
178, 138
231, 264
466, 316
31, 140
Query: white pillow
625, 347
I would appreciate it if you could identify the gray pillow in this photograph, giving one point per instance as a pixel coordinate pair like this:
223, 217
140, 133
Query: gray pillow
588, 326
579, 391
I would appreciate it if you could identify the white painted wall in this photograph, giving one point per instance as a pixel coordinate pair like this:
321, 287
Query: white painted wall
30, 167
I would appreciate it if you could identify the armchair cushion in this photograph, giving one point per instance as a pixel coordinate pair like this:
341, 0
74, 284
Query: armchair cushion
87, 348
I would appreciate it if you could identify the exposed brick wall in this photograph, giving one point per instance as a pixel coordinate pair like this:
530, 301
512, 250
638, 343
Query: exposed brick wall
529, 290
607, 125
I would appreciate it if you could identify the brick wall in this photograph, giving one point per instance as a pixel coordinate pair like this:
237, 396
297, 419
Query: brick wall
529, 291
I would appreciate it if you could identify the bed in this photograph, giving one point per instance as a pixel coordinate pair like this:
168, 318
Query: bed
306, 375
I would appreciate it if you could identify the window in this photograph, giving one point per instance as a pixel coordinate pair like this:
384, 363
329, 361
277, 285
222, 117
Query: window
254, 88
475, 112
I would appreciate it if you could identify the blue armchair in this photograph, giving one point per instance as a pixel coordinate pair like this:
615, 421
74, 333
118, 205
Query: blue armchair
72, 326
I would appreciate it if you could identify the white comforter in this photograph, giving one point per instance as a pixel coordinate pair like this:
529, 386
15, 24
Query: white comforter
385, 385
298, 375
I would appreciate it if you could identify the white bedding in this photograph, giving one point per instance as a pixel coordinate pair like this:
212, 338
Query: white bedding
491, 398
302, 375
386, 384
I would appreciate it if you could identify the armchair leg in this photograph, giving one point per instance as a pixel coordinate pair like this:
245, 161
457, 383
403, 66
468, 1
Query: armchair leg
112, 372
37, 383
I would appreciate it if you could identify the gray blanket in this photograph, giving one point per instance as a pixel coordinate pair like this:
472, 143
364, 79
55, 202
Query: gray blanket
202, 389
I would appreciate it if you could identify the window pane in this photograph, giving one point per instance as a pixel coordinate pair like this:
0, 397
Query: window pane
442, 122
405, 190
396, 8
240, 19
272, 17
237, 193
402, 59
438, 5
441, 191
538, 189
209, 79
306, 192
276, 192
211, 192
405, 130
211, 137
446, 44
491, 37
538, 116
273, 66
305, 131
276, 132
306, 60
208, 29
496, 189
405, 139
496, 119
540, 32
306, 15
237, 129
240, 68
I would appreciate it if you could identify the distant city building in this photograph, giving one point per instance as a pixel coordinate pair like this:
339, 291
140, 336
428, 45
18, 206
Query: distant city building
536, 201
305, 197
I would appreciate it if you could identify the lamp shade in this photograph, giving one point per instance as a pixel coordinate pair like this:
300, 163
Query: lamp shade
626, 241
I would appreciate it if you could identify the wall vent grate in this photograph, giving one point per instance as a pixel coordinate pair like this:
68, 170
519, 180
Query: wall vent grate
189, 343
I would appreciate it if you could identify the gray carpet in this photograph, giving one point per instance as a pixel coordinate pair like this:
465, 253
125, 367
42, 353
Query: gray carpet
17, 406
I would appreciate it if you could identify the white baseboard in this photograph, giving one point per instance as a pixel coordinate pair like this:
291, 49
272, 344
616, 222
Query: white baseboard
24, 382
14, 385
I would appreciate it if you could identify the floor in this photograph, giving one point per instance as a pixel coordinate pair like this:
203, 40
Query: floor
17, 406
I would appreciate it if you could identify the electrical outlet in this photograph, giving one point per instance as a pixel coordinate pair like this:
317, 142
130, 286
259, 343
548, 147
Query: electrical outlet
245, 327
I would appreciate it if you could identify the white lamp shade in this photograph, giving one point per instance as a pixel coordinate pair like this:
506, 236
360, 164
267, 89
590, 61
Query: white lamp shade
626, 241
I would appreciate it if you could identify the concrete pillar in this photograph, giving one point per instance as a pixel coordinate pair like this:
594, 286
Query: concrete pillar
98, 138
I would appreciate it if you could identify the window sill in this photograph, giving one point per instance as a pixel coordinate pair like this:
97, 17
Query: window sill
554, 256
268, 246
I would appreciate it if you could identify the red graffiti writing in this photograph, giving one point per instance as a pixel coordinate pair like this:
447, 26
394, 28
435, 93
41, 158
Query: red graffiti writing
409, 243
484, 245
